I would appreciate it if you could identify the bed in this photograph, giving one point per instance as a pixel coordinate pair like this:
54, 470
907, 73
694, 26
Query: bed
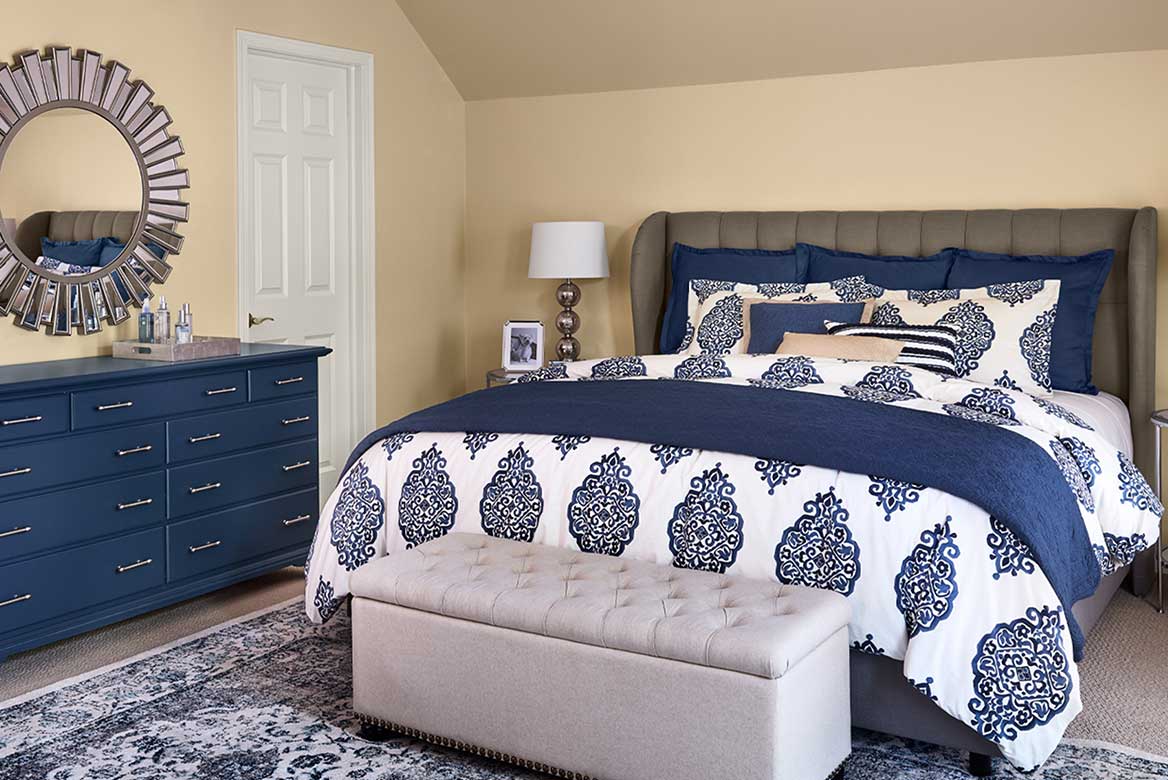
1124, 355
564, 450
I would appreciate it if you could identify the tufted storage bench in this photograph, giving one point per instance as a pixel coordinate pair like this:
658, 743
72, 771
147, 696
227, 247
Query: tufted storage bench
585, 665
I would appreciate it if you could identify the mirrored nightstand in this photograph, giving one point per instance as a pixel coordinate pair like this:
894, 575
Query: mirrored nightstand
501, 376
1160, 420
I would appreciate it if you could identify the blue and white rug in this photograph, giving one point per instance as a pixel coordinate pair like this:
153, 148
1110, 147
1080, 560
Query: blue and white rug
268, 696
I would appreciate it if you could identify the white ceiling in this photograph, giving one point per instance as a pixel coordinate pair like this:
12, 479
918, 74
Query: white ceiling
512, 48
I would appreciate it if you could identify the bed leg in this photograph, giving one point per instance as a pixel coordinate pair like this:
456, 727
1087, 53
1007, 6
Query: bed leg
374, 732
981, 765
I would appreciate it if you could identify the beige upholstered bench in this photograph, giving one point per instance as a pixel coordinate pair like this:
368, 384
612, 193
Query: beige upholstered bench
585, 665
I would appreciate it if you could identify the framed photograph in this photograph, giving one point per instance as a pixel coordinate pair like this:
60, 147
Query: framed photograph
522, 345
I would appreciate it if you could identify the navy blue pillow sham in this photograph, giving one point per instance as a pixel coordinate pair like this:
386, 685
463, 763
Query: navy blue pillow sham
113, 248
753, 266
1081, 280
75, 252
892, 272
769, 321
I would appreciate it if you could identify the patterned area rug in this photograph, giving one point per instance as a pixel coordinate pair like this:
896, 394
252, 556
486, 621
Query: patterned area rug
268, 696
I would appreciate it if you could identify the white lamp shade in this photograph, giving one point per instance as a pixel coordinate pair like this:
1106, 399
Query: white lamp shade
568, 250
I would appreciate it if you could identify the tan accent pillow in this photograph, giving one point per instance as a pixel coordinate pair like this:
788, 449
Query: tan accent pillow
848, 347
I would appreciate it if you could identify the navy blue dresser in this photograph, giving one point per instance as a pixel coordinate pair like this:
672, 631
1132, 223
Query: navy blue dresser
127, 485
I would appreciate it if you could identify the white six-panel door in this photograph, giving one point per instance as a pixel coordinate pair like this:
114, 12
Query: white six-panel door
298, 263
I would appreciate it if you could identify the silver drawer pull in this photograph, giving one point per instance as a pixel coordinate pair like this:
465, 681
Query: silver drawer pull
139, 502
135, 565
25, 529
297, 519
135, 450
290, 380
222, 391
208, 486
119, 405
294, 420
205, 546
16, 472
16, 600
294, 466
20, 420
204, 437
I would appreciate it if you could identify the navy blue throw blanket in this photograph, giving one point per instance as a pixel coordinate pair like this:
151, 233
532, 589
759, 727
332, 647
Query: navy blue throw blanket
1007, 475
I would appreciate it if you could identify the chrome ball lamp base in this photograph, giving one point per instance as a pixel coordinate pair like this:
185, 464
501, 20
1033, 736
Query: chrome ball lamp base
567, 321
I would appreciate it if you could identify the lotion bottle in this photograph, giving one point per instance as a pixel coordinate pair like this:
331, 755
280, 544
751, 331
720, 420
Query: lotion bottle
162, 322
146, 324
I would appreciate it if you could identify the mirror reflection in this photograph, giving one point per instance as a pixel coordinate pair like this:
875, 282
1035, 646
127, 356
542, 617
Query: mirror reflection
61, 167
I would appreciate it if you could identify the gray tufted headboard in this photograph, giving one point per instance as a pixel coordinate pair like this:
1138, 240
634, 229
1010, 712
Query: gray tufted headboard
1125, 325
72, 226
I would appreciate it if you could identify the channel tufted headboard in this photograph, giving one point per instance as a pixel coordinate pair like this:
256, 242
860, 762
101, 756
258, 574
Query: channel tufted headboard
72, 226
1125, 325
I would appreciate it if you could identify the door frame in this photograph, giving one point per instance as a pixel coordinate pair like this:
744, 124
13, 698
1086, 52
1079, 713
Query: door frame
361, 327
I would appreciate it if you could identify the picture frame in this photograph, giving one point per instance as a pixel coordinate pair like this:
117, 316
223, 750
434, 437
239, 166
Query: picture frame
522, 345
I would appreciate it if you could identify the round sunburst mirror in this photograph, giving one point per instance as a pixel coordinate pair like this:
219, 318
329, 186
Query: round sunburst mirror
85, 155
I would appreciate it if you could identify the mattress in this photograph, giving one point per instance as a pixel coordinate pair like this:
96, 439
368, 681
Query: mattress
1106, 413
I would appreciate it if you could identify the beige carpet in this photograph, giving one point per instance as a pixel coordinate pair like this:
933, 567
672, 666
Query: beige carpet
1124, 689
43, 666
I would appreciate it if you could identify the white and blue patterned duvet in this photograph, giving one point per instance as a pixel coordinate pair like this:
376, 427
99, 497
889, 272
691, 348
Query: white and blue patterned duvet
933, 579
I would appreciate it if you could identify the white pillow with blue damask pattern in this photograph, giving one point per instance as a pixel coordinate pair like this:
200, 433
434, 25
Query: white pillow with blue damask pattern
1005, 329
718, 324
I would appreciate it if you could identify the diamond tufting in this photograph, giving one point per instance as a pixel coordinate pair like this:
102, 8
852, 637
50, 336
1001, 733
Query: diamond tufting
755, 627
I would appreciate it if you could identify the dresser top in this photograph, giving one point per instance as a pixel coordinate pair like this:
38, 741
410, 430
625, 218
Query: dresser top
35, 377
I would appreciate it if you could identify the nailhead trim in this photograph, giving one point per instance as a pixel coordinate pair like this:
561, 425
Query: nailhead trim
507, 758
475, 749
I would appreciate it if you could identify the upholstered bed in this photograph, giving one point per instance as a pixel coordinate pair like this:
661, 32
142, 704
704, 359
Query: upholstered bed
1124, 354
964, 515
72, 226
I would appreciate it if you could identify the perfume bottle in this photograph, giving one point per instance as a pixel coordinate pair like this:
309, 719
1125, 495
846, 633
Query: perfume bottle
146, 323
182, 331
186, 307
162, 322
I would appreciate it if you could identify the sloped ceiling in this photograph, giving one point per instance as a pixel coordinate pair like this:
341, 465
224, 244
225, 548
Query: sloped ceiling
513, 48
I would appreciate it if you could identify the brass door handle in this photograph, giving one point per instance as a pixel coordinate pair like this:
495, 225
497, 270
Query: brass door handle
253, 320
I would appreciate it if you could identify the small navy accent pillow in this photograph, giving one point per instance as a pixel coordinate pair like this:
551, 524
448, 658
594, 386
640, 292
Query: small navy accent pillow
753, 266
769, 321
74, 252
892, 272
1082, 279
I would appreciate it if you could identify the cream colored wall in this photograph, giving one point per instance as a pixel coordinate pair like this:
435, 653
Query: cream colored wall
40, 170
1071, 131
186, 52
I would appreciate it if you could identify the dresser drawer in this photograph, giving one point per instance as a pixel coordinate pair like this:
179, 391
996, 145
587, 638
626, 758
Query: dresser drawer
282, 381
52, 585
211, 484
41, 464
204, 544
241, 429
50, 520
114, 405
22, 418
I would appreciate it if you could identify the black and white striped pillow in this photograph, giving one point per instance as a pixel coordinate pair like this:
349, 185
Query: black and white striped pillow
925, 346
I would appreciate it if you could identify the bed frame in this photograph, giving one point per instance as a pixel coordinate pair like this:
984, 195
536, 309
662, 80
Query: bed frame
1124, 358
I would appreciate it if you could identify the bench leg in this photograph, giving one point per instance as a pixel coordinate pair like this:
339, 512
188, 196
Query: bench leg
981, 765
374, 732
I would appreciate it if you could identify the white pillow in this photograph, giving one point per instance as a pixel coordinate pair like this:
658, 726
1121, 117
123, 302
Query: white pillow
1005, 329
717, 323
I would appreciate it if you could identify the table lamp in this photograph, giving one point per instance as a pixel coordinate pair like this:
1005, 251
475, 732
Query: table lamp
568, 250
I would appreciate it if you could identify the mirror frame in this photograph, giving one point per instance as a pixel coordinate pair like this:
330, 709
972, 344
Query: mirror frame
35, 296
